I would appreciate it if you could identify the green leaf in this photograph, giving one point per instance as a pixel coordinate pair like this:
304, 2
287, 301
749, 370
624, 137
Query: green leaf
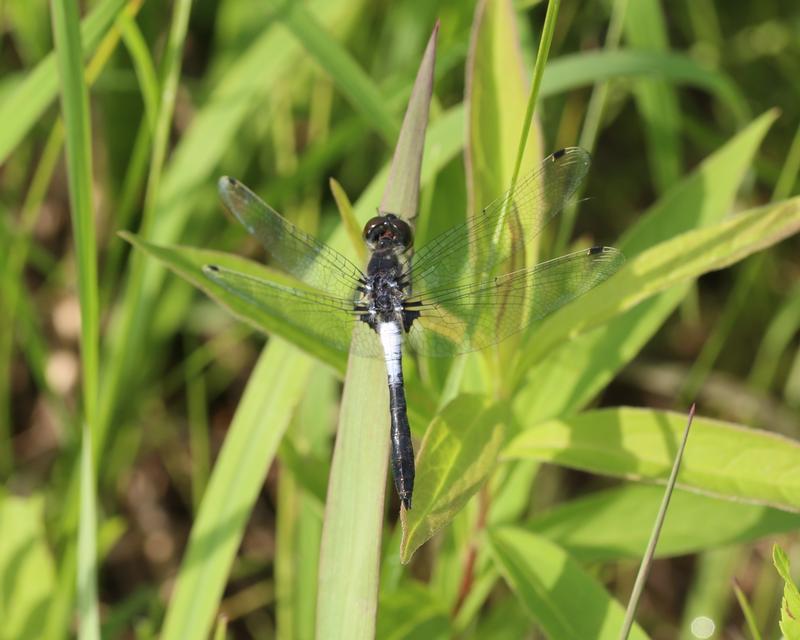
496, 100
668, 264
457, 454
589, 528
722, 458
347, 597
188, 263
25, 106
412, 611
362, 93
75, 110
273, 390
27, 571
790, 603
573, 71
401, 194
577, 370
656, 100
565, 601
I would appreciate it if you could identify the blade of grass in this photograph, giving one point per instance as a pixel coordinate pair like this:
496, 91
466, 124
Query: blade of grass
586, 68
275, 387
548, 29
644, 568
75, 109
24, 108
359, 89
592, 121
347, 596
171, 72
747, 611
656, 100
88, 609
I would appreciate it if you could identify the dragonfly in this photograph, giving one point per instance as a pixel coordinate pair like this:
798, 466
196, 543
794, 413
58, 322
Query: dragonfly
465, 290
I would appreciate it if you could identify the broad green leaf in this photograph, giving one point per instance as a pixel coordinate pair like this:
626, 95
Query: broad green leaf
188, 263
790, 603
656, 100
668, 264
412, 611
564, 600
275, 387
24, 107
496, 99
347, 597
722, 458
362, 93
577, 370
589, 527
457, 454
27, 572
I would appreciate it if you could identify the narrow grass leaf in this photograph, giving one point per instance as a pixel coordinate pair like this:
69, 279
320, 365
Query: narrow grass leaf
349, 221
88, 607
25, 106
725, 459
577, 70
75, 109
647, 559
27, 569
142, 65
670, 263
401, 193
656, 100
273, 390
359, 89
457, 454
790, 603
347, 597
564, 600
588, 528
496, 99
747, 611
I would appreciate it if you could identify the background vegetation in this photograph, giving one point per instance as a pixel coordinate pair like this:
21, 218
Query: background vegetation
112, 428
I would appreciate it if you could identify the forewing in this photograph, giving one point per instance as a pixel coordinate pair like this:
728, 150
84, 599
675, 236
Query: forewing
326, 319
472, 316
297, 252
472, 251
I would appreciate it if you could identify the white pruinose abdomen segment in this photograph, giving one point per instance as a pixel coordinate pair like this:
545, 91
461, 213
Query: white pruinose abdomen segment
392, 341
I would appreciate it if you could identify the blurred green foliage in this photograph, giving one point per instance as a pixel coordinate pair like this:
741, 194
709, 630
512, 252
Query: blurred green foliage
691, 112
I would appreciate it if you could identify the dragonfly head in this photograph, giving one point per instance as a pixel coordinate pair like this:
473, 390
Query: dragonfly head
386, 232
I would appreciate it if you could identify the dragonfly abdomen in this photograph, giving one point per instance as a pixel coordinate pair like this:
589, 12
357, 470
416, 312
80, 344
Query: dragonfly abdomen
402, 447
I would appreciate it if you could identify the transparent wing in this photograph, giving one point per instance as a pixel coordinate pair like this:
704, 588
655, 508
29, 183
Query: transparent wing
327, 319
472, 316
472, 251
297, 252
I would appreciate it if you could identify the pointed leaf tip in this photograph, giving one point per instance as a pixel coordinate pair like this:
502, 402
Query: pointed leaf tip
401, 194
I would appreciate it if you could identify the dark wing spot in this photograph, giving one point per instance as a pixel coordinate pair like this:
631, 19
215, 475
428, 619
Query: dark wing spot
212, 267
595, 250
558, 154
